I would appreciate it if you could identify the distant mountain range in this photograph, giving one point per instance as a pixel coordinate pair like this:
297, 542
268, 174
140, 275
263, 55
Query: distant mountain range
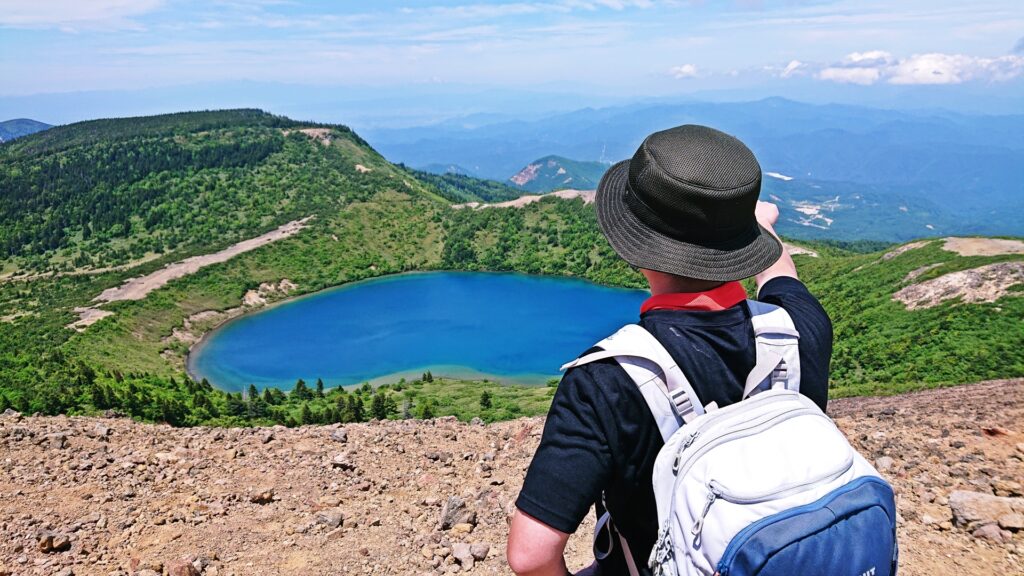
11, 129
961, 169
557, 173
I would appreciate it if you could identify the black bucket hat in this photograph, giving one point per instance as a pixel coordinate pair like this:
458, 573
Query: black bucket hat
684, 204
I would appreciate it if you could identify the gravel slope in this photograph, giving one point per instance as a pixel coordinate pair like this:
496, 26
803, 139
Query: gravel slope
111, 496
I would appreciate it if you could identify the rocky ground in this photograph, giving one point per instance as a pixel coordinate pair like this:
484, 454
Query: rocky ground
114, 497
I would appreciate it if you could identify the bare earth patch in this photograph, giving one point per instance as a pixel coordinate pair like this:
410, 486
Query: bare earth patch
525, 175
982, 246
138, 288
587, 195
321, 134
905, 248
81, 271
795, 250
983, 284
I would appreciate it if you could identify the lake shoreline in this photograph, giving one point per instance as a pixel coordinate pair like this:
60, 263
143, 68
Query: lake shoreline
450, 371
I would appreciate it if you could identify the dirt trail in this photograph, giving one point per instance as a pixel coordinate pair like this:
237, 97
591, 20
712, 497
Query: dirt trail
114, 497
587, 195
138, 288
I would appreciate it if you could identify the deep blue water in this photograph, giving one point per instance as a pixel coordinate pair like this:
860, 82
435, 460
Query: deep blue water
509, 327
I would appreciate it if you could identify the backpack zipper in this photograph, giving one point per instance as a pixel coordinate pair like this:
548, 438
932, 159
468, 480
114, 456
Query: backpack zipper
681, 465
716, 491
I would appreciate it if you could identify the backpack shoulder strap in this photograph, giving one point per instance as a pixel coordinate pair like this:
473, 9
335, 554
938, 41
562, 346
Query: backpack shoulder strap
778, 354
662, 383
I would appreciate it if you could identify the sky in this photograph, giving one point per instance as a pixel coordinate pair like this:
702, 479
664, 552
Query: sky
614, 48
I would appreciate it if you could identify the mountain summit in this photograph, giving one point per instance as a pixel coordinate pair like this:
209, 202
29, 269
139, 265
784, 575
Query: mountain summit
11, 129
558, 173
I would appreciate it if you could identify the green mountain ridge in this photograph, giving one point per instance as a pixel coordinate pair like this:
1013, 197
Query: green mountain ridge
552, 173
87, 206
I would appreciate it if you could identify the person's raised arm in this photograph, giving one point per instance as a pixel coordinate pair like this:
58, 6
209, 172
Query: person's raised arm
767, 214
534, 548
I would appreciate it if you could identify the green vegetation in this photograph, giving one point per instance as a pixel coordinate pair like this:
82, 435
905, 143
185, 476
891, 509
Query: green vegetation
460, 188
81, 199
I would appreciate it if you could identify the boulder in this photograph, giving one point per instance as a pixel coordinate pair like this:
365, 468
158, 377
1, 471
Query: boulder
340, 435
330, 518
181, 567
992, 533
479, 550
463, 555
341, 462
262, 496
1013, 521
973, 509
455, 512
884, 464
50, 542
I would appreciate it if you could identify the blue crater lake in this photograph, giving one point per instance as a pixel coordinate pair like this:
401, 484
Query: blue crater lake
507, 327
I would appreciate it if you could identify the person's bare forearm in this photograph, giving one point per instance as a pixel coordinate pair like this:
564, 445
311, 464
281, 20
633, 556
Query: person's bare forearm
784, 266
767, 214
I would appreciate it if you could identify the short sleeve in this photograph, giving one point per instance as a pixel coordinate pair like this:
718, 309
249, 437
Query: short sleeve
573, 461
815, 329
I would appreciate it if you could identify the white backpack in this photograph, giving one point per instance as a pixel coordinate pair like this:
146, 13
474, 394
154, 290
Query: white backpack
766, 486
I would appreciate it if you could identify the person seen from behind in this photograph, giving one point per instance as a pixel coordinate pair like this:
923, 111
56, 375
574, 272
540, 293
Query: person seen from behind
685, 212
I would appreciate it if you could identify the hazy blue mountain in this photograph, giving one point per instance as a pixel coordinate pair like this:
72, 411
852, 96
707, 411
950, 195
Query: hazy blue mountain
957, 164
446, 169
11, 129
558, 173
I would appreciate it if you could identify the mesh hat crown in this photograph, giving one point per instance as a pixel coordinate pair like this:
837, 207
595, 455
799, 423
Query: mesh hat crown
684, 204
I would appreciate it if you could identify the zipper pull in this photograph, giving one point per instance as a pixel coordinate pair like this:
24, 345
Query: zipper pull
699, 525
679, 454
690, 440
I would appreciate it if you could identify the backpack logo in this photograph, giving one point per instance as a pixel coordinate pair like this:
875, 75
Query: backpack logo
869, 572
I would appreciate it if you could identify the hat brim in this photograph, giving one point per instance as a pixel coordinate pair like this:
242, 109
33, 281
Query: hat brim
745, 256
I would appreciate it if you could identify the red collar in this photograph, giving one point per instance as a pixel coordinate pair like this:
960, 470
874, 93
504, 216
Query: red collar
725, 296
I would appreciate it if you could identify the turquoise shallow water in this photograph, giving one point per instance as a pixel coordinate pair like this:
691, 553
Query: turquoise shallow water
510, 327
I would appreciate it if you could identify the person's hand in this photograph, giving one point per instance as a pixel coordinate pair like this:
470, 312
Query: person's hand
766, 213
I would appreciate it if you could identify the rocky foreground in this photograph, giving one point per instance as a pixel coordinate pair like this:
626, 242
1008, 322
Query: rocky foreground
114, 497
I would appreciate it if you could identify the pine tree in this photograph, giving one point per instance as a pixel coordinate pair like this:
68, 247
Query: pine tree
378, 407
301, 392
427, 410
359, 412
253, 392
485, 400
306, 415
319, 388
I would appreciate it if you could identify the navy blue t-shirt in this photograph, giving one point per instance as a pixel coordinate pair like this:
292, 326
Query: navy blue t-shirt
600, 436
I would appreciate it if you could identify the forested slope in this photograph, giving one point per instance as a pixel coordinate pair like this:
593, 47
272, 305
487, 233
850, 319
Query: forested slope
87, 206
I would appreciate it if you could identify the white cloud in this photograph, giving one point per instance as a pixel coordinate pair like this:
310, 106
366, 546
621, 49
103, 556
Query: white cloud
874, 66
954, 69
70, 14
794, 68
851, 75
684, 71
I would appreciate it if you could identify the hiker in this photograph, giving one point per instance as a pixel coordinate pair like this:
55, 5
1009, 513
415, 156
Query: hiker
685, 212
